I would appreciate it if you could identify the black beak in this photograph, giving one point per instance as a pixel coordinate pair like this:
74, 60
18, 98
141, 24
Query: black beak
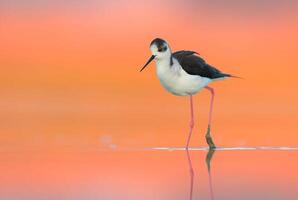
147, 63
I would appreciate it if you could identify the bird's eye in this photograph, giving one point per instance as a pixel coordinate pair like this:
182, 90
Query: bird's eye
161, 49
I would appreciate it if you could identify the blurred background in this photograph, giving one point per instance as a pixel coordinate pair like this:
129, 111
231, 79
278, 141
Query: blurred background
70, 73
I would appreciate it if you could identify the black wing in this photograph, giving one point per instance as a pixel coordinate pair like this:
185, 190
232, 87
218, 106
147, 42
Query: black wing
196, 65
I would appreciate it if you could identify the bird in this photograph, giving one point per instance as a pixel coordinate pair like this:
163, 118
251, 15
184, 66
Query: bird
185, 73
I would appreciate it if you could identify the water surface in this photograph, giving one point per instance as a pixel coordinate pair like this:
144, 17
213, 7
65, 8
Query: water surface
167, 174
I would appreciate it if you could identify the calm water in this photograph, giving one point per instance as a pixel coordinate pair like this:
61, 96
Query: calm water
165, 174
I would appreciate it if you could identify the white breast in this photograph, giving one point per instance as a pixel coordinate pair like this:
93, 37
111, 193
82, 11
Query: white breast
177, 81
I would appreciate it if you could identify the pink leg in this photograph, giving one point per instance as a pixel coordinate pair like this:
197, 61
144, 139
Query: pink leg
191, 123
211, 104
191, 173
208, 135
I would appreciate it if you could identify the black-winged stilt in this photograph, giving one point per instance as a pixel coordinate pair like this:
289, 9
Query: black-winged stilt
184, 73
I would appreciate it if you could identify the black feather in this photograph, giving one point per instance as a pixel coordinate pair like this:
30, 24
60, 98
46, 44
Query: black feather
195, 65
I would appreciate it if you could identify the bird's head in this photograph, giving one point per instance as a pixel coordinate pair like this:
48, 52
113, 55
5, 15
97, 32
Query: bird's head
159, 49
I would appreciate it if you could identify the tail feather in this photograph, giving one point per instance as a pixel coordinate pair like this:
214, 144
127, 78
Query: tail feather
232, 76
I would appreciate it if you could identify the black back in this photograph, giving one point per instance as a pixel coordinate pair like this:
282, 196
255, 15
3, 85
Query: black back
195, 65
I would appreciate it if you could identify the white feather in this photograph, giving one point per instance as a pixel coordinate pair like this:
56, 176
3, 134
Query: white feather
175, 80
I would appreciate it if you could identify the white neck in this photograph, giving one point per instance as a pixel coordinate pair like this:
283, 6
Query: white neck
165, 61
164, 67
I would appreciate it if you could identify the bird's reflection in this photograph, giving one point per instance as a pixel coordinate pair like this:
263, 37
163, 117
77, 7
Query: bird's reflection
191, 173
208, 160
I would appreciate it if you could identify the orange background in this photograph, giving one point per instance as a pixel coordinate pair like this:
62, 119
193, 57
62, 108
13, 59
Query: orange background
70, 73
